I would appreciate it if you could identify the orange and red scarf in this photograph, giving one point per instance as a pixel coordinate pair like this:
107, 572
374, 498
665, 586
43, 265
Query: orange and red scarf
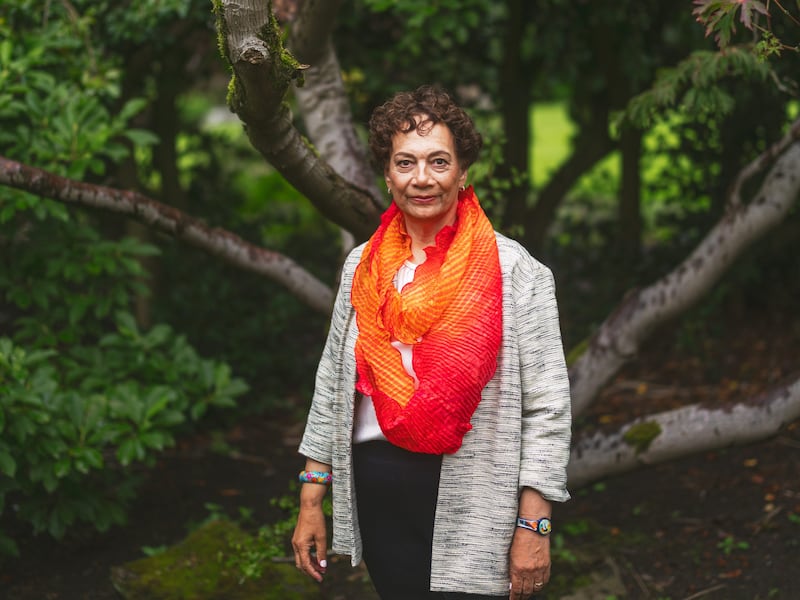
451, 314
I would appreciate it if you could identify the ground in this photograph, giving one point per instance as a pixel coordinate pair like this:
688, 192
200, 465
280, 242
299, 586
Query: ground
720, 525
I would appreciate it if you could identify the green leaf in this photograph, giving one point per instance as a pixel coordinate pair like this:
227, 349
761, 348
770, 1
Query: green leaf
8, 465
130, 450
169, 418
198, 410
62, 467
156, 440
131, 108
8, 547
126, 324
87, 459
142, 137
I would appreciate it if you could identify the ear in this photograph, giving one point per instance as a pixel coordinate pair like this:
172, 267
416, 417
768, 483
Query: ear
462, 179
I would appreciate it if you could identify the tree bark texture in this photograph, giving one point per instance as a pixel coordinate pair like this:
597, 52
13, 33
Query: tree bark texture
681, 432
175, 223
323, 103
619, 337
263, 71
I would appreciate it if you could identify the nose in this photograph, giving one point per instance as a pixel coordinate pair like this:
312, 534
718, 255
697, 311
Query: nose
421, 175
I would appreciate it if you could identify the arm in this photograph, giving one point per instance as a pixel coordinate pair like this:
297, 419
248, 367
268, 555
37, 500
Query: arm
546, 421
529, 559
310, 534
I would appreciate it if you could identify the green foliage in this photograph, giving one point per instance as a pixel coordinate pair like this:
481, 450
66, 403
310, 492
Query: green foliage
719, 16
86, 396
693, 86
250, 556
193, 569
70, 421
730, 544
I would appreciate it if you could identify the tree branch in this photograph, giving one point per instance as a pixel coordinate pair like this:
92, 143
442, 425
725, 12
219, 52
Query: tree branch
323, 101
263, 71
175, 223
618, 338
762, 161
682, 432
591, 146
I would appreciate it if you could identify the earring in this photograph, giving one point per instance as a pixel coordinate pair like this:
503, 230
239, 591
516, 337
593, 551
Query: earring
462, 188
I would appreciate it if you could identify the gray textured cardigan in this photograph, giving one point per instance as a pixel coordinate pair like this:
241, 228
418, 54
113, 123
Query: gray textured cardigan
520, 435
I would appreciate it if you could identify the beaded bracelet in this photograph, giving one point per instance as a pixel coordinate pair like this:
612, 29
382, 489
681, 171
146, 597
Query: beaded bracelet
322, 477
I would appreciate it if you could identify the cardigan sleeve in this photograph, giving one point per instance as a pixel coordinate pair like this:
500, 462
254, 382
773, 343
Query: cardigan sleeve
317, 442
546, 409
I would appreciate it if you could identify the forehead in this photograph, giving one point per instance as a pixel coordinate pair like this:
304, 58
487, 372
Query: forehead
438, 138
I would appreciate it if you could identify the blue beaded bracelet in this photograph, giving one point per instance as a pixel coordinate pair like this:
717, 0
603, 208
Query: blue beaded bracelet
322, 477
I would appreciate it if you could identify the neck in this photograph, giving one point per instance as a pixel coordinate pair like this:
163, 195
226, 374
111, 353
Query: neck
423, 235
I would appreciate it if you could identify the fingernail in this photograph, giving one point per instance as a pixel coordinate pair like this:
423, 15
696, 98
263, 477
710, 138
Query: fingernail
323, 563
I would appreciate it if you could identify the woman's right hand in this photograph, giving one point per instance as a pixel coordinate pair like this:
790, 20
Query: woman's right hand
310, 532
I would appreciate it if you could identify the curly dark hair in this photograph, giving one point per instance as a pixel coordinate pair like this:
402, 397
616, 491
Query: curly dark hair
435, 106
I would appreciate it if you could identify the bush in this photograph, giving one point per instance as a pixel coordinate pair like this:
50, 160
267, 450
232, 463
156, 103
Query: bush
71, 424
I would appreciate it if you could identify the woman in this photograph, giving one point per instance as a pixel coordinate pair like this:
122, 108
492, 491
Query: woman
441, 412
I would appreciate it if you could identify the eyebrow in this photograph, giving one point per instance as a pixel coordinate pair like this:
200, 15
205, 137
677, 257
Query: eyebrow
435, 153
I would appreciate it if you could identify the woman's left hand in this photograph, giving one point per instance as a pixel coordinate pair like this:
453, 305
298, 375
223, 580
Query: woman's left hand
529, 563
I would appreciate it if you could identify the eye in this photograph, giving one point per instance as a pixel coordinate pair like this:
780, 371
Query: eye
403, 163
440, 162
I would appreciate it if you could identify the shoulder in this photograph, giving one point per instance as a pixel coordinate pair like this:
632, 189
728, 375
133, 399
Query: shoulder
516, 261
352, 260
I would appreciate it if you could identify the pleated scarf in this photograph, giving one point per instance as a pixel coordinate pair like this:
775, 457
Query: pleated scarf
451, 315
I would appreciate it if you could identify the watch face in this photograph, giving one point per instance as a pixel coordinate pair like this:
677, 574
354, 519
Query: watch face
545, 526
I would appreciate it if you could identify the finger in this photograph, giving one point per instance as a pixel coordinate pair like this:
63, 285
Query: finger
306, 561
520, 590
322, 558
312, 569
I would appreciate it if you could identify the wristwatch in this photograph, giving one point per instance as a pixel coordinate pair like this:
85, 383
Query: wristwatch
541, 526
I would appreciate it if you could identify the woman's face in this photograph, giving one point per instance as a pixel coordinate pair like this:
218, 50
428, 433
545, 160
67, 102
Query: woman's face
424, 177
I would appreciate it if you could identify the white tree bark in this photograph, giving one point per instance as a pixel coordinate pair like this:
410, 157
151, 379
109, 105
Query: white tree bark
620, 336
323, 103
683, 431
263, 71
169, 220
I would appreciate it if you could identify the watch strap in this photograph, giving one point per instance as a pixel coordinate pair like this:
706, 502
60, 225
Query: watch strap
541, 526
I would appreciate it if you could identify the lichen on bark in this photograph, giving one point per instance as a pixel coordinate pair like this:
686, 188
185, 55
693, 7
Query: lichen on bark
641, 435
